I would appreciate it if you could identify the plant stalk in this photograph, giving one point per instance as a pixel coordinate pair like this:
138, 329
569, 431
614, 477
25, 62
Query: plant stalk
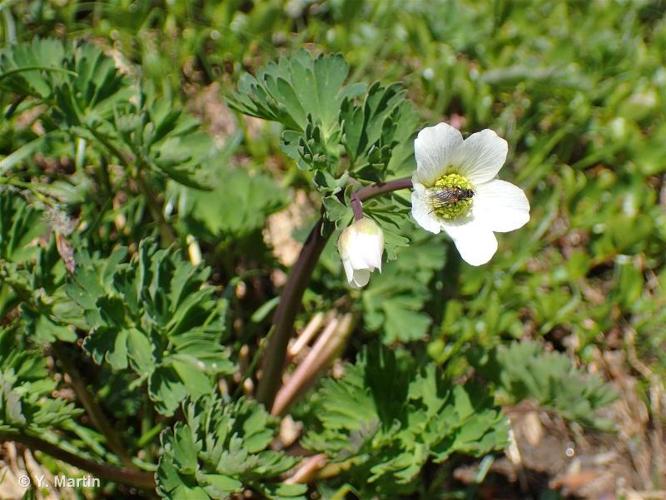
358, 197
130, 477
285, 314
290, 301
28, 187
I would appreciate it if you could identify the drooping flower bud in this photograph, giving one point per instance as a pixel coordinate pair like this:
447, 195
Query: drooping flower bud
361, 246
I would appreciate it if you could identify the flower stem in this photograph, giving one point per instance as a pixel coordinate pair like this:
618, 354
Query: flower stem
373, 190
131, 477
357, 207
290, 301
285, 314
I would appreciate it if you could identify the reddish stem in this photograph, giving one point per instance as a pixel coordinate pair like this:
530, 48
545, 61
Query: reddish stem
290, 301
373, 190
131, 477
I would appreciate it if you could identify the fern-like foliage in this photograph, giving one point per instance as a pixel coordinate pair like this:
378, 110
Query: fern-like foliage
222, 449
26, 403
236, 205
87, 97
295, 87
334, 129
372, 128
385, 418
160, 135
325, 119
79, 82
31, 274
155, 315
524, 371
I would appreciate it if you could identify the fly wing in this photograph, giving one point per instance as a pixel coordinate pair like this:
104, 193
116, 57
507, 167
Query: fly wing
443, 197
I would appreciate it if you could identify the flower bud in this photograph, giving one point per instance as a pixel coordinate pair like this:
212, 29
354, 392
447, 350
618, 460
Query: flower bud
361, 246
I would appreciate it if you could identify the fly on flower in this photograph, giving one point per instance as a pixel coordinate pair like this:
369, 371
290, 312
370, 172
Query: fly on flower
449, 196
456, 190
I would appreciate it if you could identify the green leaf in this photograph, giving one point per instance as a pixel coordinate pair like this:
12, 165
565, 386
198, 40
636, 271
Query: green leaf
385, 433
523, 371
373, 128
24, 152
20, 224
223, 448
26, 400
220, 485
295, 87
236, 205
283, 491
310, 149
394, 300
19, 62
78, 82
154, 315
164, 138
44, 327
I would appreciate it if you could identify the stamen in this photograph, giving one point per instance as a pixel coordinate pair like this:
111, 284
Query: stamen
451, 196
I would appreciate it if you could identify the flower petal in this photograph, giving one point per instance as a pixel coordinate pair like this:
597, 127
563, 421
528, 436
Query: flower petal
373, 258
422, 211
349, 270
362, 250
501, 206
373, 249
481, 156
360, 279
475, 241
361, 246
434, 149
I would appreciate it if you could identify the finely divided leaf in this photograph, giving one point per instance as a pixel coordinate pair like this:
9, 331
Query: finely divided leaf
221, 449
156, 316
524, 370
26, 400
294, 88
384, 432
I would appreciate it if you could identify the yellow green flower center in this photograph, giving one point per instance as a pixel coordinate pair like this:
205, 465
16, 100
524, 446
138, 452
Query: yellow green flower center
451, 196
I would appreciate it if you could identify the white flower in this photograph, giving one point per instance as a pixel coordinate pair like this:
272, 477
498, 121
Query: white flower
361, 246
456, 190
